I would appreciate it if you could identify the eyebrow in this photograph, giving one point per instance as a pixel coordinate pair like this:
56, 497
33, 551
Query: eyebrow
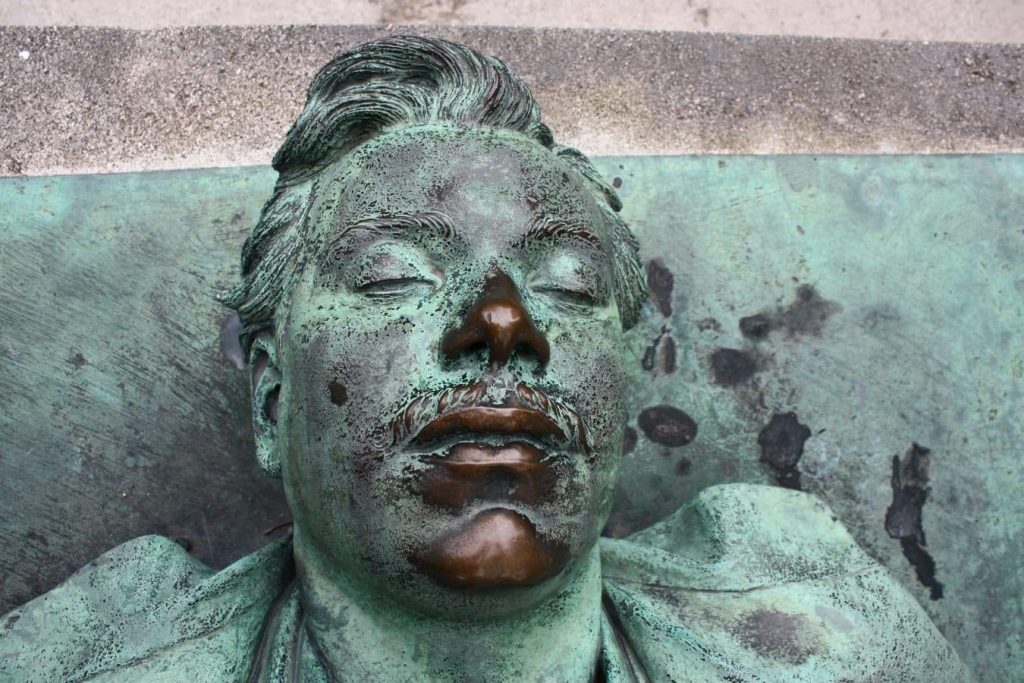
547, 227
435, 223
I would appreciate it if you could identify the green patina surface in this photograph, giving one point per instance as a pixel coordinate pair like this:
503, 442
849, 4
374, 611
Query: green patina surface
890, 298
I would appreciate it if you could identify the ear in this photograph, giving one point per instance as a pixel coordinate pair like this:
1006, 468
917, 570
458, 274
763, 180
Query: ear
266, 386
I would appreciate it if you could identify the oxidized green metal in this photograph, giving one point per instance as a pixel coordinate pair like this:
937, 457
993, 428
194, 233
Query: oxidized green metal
444, 268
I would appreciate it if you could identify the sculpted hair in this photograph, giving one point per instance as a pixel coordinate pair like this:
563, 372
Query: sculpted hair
391, 83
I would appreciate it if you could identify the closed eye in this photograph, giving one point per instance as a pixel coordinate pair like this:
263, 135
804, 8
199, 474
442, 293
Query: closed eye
569, 298
389, 270
568, 294
569, 281
393, 287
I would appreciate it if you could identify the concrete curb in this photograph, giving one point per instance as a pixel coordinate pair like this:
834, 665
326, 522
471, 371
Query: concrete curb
79, 100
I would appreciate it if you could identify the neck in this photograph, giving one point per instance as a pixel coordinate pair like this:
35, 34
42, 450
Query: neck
363, 635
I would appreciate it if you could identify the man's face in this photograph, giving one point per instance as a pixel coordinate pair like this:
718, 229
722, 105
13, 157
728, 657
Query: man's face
451, 408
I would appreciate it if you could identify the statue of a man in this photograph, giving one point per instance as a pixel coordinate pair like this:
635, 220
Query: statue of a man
434, 302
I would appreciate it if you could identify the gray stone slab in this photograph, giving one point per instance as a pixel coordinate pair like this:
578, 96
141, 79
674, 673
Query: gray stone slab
79, 99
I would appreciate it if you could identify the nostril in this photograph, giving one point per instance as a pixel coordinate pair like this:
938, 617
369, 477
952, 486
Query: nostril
533, 342
528, 349
476, 349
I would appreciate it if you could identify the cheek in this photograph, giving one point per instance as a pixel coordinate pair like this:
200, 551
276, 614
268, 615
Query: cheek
354, 370
342, 387
593, 375
347, 378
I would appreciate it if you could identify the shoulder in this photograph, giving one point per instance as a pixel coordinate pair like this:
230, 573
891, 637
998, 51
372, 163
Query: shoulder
738, 537
763, 583
139, 606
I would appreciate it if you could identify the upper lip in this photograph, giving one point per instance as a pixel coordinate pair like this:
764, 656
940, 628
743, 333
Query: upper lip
497, 420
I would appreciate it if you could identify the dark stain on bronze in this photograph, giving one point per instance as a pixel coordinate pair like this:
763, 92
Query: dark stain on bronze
709, 324
498, 322
924, 567
732, 366
667, 425
11, 621
910, 490
660, 282
684, 466
806, 314
668, 354
782, 445
259, 366
616, 182
498, 548
755, 326
903, 518
650, 354
778, 635
661, 352
880, 317
339, 395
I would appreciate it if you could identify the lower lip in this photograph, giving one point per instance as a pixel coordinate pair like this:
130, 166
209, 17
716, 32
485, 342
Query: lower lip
474, 471
495, 549
485, 455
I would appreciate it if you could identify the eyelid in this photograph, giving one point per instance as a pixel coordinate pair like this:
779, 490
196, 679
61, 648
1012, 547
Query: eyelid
401, 269
386, 282
386, 270
587, 285
555, 287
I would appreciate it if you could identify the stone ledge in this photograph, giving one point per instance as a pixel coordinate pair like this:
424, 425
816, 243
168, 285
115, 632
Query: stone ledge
101, 100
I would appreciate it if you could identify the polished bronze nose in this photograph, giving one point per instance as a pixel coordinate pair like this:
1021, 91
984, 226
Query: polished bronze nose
498, 321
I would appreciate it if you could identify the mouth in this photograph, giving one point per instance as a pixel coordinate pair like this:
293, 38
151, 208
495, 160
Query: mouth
432, 422
492, 423
488, 465
514, 472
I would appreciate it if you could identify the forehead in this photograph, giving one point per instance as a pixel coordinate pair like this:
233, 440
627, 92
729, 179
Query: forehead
497, 180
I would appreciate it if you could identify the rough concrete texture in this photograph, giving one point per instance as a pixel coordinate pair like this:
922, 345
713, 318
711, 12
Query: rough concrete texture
985, 21
81, 100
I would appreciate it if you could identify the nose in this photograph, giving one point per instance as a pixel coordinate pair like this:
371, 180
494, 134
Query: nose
498, 321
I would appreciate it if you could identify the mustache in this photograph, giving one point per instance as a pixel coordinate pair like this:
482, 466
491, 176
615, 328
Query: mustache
427, 409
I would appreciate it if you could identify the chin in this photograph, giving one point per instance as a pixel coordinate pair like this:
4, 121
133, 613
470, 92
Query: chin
507, 597
492, 548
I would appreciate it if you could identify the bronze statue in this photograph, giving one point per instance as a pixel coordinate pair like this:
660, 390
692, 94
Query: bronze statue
434, 303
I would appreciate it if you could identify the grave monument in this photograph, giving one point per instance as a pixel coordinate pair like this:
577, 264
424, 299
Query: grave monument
434, 303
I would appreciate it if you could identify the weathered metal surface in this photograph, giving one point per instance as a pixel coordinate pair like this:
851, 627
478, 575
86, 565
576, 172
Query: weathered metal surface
811, 319
122, 415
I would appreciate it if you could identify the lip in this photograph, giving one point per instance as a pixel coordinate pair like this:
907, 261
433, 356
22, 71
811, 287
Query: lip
478, 421
515, 471
515, 455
